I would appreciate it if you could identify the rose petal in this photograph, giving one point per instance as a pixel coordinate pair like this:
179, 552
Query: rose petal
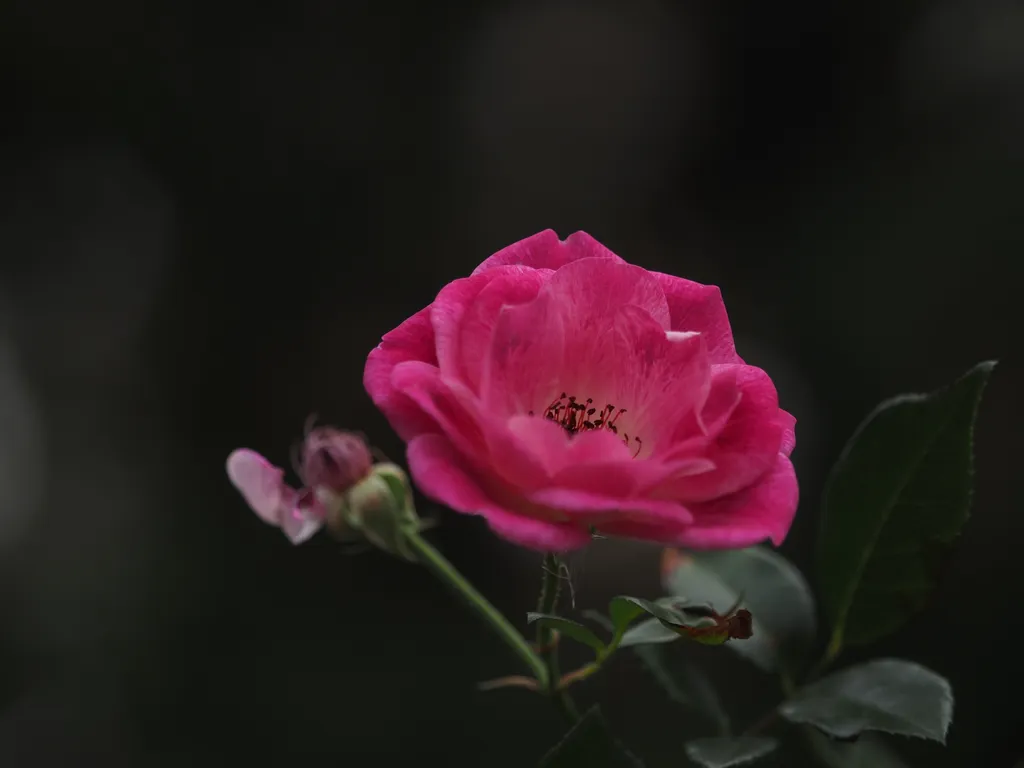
544, 251
652, 381
788, 422
437, 470
661, 380
423, 385
589, 290
524, 365
260, 483
594, 508
761, 511
412, 340
446, 315
699, 428
460, 297
304, 518
557, 450
696, 307
484, 440
745, 448
580, 245
628, 478
509, 286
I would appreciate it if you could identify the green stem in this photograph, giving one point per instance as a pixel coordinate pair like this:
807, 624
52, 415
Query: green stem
551, 585
445, 571
835, 647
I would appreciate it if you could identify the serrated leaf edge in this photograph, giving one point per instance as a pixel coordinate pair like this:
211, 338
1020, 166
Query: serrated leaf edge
986, 367
946, 714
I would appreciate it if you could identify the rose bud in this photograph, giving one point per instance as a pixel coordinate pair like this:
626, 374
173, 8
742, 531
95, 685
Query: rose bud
333, 459
380, 507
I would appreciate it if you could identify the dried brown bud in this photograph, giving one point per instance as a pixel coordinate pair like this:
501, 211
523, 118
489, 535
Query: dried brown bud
741, 625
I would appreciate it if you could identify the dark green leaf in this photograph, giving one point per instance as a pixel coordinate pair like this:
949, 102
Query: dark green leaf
889, 695
623, 610
567, 627
675, 612
773, 590
684, 682
866, 752
895, 500
726, 752
649, 631
590, 745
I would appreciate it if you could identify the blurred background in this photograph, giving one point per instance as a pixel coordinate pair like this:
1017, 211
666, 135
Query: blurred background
208, 217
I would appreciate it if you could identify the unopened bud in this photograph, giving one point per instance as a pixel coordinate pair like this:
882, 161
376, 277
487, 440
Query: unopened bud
380, 506
334, 460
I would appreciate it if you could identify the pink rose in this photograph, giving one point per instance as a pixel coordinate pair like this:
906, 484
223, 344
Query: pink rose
559, 391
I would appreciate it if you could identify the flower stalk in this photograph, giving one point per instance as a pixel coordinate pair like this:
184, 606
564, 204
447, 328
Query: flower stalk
446, 572
550, 588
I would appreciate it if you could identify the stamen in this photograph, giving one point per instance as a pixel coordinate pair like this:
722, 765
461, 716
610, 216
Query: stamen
576, 417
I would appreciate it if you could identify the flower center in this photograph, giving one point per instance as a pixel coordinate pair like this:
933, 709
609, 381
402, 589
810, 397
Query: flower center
575, 417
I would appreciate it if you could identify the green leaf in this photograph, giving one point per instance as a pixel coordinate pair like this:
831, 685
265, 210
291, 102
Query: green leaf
726, 752
623, 610
674, 612
889, 695
894, 502
866, 752
590, 745
569, 628
773, 590
649, 631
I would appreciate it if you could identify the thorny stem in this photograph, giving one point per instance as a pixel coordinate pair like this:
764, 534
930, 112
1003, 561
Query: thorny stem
549, 590
446, 572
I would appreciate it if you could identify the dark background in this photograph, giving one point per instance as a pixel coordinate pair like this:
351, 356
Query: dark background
209, 215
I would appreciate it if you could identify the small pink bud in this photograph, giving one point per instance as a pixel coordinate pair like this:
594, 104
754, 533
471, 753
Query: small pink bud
334, 459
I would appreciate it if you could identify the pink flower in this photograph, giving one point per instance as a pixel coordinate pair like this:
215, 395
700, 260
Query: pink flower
330, 463
559, 390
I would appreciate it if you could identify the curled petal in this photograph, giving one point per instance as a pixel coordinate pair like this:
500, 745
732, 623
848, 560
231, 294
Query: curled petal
510, 286
260, 483
545, 251
298, 515
696, 307
524, 364
746, 446
594, 508
788, 422
580, 245
438, 471
304, 518
590, 290
412, 340
458, 300
764, 510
